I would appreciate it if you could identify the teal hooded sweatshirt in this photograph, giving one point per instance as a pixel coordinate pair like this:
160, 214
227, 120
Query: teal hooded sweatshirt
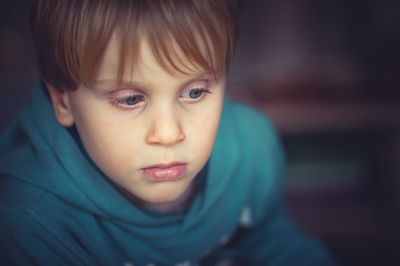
57, 208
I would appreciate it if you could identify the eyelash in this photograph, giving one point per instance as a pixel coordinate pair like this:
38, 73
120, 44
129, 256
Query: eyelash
123, 101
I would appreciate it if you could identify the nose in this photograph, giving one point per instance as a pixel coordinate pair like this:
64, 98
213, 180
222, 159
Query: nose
165, 129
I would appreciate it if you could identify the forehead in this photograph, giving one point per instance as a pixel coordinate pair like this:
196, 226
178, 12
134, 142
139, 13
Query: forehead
119, 63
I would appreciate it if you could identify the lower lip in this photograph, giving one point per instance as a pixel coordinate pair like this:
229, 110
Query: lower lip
172, 173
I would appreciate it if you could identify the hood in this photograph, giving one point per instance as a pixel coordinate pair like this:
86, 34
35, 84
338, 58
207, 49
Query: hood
38, 151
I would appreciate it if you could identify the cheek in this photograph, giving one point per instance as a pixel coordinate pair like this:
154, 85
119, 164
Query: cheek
110, 144
202, 133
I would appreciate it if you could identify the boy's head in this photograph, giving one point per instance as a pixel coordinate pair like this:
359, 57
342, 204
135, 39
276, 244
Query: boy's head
142, 82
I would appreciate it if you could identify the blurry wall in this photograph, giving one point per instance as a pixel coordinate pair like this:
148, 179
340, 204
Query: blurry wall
17, 60
348, 49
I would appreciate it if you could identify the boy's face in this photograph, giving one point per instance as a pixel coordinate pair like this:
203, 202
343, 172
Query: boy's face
152, 135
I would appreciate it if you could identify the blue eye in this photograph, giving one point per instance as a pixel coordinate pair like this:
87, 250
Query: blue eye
194, 94
129, 100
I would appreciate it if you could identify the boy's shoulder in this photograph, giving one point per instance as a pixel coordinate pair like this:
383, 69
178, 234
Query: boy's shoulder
253, 126
32, 220
28, 231
19, 219
18, 194
27, 205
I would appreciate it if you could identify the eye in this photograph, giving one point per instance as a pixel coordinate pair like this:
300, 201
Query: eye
195, 93
128, 101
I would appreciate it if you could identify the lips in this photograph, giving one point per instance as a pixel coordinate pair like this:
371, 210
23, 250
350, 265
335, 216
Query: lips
165, 172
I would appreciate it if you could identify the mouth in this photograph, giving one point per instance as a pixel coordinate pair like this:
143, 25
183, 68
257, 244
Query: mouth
165, 172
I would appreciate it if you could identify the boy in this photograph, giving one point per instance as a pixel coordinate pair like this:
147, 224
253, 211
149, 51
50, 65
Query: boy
129, 153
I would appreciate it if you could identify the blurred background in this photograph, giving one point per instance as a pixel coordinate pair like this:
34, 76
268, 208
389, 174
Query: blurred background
327, 73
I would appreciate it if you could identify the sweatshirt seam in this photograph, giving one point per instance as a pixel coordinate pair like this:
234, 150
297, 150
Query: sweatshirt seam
43, 224
38, 198
33, 200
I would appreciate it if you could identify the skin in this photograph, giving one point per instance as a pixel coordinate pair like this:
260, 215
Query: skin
173, 118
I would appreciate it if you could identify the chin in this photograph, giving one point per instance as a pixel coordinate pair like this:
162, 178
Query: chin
164, 198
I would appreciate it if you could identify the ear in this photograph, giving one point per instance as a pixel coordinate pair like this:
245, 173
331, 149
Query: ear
61, 105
